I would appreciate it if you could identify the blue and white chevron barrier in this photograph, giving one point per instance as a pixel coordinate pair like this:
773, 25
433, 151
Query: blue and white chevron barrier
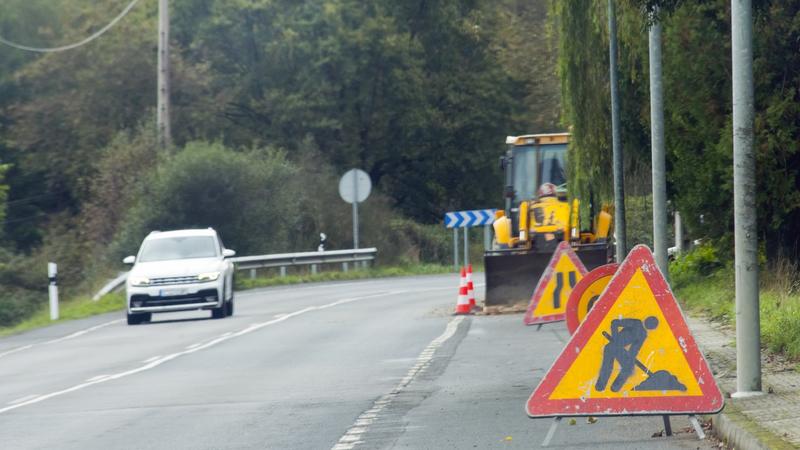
467, 219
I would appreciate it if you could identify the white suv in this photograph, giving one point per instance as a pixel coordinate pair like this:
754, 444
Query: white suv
180, 270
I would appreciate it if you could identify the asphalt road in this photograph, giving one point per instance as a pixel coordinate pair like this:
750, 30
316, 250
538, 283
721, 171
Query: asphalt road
369, 364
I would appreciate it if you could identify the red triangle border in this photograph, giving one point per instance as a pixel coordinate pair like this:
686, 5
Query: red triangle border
711, 400
547, 275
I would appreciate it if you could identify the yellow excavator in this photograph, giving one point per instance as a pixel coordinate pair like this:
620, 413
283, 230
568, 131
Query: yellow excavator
538, 215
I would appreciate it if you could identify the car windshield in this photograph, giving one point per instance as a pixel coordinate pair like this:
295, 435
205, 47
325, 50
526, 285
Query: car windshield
164, 249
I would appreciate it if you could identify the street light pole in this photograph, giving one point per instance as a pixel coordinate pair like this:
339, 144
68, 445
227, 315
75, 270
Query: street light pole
748, 327
163, 113
616, 139
657, 150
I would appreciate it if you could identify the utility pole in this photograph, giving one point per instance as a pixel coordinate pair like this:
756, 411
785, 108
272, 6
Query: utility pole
657, 149
163, 114
748, 326
616, 139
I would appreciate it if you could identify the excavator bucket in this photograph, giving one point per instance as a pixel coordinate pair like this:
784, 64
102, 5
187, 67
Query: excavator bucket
512, 275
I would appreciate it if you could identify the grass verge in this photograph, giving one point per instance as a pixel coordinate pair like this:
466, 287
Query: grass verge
83, 307
707, 286
69, 310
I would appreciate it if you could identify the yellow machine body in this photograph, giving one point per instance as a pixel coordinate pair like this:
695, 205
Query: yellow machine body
534, 222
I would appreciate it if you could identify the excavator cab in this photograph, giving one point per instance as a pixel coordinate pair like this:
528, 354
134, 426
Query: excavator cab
537, 216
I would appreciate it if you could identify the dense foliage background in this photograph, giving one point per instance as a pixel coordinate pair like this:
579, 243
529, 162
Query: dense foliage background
698, 112
272, 101
275, 99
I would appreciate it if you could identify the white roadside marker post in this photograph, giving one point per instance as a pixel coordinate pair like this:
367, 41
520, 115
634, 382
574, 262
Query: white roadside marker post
52, 273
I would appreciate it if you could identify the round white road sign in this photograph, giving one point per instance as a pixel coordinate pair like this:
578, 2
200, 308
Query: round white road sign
355, 185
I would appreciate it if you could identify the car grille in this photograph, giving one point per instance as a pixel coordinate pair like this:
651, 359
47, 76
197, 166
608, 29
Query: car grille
173, 280
143, 300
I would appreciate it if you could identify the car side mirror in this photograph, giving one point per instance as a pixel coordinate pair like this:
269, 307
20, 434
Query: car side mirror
228, 253
129, 259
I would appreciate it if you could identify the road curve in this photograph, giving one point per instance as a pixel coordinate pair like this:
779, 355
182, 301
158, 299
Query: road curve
367, 364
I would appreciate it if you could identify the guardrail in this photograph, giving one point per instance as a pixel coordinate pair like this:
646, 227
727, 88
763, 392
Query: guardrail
282, 261
313, 259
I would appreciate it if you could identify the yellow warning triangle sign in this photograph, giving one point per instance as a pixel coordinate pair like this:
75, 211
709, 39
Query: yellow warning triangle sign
632, 354
549, 301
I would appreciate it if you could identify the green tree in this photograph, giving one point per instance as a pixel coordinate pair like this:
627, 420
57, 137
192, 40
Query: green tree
413, 93
697, 83
246, 196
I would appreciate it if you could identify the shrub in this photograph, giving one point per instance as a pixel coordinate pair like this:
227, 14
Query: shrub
246, 196
699, 262
780, 322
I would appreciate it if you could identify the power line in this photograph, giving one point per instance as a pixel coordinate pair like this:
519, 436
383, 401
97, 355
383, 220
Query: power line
18, 201
23, 219
76, 44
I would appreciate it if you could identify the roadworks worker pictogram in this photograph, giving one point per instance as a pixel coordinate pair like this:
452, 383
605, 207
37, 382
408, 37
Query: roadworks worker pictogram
549, 301
633, 354
624, 343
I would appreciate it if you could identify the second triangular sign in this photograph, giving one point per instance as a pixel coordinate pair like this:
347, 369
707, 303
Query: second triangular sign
549, 301
633, 354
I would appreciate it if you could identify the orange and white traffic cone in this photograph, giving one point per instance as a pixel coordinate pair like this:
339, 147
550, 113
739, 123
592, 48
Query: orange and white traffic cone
462, 306
470, 288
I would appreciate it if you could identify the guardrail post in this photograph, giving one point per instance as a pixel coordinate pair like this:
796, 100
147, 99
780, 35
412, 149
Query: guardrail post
344, 267
252, 274
283, 271
313, 269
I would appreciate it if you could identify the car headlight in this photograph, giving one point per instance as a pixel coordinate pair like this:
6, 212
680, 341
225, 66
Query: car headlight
139, 281
209, 276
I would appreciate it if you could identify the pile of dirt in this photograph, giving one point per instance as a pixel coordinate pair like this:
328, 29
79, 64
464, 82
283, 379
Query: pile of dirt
503, 309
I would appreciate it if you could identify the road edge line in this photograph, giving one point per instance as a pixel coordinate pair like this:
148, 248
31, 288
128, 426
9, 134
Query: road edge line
352, 436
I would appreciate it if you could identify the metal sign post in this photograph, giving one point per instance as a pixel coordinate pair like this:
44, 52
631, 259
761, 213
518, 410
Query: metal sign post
354, 187
466, 247
466, 220
355, 213
455, 249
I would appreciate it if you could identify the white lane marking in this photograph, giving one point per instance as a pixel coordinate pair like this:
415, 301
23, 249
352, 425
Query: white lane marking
18, 349
278, 316
352, 437
99, 377
151, 359
82, 332
189, 347
320, 285
22, 399
161, 360
308, 287
61, 339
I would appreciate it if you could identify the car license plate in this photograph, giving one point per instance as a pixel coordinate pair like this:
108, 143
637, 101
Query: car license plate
172, 292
